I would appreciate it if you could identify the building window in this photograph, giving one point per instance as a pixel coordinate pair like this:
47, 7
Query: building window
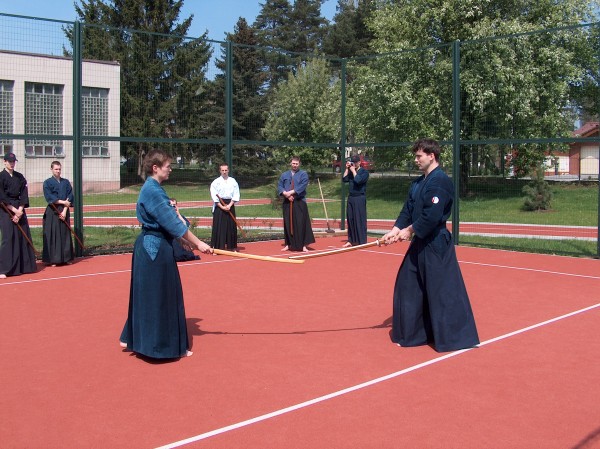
44, 115
6, 114
94, 121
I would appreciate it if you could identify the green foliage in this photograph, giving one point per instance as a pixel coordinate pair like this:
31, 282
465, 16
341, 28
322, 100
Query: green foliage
349, 35
306, 108
538, 194
511, 88
161, 70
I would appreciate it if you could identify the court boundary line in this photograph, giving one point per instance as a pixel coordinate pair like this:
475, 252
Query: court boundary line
507, 267
366, 384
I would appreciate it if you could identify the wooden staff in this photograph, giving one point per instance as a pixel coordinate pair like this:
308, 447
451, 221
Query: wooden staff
292, 210
324, 207
68, 226
11, 214
337, 251
254, 256
232, 217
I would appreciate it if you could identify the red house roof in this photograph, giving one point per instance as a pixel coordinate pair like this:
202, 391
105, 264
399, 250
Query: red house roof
589, 129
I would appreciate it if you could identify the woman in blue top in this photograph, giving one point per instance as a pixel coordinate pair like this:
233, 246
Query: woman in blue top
156, 324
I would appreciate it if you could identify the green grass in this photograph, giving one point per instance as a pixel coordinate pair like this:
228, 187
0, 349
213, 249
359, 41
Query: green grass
581, 248
486, 200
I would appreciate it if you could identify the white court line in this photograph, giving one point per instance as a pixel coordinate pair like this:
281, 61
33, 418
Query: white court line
104, 273
360, 386
508, 267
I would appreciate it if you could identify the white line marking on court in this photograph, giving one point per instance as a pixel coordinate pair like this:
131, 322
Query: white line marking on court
508, 267
560, 273
365, 384
75, 276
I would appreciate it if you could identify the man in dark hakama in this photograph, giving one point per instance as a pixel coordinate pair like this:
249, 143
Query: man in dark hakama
16, 252
296, 221
58, 243
356, 211
431, 305
224, 192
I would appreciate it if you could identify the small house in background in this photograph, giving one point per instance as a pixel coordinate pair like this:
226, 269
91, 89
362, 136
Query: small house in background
583, 156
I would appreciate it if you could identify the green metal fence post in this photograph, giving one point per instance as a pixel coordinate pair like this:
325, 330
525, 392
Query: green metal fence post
77, 158
598, 230
456, 138
229, 105
343, 142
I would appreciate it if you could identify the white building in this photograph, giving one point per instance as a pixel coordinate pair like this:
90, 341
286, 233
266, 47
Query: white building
36, 97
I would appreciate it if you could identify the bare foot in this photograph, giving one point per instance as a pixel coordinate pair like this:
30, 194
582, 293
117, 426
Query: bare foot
285, 248
122, 344
347, 245
189, 353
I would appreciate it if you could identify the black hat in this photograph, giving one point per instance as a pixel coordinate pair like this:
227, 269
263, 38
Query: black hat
355, 159
10, 157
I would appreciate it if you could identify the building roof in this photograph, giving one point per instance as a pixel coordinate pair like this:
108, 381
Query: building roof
589, 129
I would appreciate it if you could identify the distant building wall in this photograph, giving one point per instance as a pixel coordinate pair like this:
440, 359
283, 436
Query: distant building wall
42, 103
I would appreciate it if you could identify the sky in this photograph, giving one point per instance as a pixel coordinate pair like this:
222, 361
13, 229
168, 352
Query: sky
217, 20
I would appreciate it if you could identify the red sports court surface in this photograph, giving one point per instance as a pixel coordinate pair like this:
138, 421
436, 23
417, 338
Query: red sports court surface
299, 356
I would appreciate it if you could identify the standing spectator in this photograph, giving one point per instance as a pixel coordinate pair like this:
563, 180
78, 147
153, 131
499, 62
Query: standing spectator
296, 221
224, 192
431, 304
156, 324
356, 213
16, 249
58, 243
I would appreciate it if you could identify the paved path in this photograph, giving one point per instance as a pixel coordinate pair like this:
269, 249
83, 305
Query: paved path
320, 224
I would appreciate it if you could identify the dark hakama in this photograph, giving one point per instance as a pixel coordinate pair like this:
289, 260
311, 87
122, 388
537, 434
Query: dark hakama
356, 211
297, 232
224, 229
58, 244
431, 304
301, 234
16, 254
356, 214
156, 322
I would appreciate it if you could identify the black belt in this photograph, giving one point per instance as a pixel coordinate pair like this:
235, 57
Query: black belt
357, 194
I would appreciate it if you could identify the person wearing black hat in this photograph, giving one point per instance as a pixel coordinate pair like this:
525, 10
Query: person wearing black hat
16, 252
431, 304
356, 212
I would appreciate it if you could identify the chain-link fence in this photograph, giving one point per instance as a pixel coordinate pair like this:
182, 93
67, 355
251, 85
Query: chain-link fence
505, 110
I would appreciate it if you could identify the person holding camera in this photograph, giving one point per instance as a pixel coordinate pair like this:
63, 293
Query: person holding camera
356, 211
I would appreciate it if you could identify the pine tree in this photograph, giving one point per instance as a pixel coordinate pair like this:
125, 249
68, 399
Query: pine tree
308, 26
159, 66
538, 195
248, 98
349, 35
